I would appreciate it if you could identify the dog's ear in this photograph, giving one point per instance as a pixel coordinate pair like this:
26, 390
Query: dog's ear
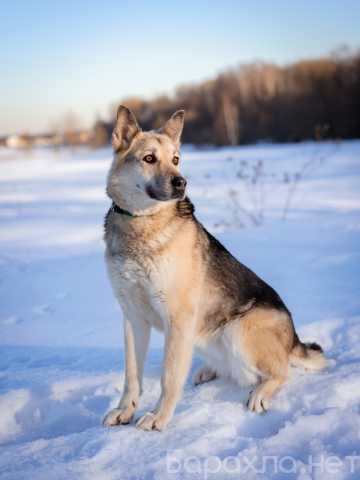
126, 127
174, 126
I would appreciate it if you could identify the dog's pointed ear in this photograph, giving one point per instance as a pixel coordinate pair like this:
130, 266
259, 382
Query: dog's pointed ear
126, 127
174, 126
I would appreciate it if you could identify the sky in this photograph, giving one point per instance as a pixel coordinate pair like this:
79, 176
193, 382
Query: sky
83, 56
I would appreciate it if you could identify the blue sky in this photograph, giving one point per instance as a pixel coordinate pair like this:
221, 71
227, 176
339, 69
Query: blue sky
82, 56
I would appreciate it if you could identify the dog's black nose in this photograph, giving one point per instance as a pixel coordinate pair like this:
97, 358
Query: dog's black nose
178, 182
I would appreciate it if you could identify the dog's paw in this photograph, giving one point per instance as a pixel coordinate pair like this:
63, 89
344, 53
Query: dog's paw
152, 421
118, 416
258, 402
203, 375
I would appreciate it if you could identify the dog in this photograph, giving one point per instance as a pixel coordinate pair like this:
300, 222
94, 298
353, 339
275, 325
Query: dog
169, 273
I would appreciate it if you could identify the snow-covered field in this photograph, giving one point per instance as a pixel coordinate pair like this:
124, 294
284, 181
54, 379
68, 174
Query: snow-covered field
61, 362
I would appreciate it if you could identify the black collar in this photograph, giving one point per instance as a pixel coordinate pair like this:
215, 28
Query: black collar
115, 208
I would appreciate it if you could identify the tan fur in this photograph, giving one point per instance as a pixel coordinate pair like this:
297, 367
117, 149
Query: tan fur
161, 272
300, 356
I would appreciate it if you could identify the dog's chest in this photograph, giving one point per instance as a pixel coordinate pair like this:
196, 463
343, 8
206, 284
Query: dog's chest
139, 287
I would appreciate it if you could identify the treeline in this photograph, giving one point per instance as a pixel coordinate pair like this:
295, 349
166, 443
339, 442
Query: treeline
260, 101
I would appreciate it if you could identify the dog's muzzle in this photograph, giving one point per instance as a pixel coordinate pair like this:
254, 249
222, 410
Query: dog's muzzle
167, 189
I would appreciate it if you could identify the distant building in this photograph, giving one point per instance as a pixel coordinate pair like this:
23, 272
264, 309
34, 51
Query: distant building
77, 137
19, 141
48, 140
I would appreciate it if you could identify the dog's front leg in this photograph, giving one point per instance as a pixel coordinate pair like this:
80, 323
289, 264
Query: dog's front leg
177, 361
137, 334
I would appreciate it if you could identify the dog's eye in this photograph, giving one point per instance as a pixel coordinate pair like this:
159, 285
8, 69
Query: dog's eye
149, 158
176, 160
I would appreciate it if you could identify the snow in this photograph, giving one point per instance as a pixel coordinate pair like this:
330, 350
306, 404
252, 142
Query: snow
61, 362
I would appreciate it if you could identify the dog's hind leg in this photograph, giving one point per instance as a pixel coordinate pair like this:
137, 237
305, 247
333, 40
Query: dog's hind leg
267, 337
137, 334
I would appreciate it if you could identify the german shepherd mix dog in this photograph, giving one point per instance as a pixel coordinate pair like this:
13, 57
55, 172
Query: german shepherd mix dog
168, 272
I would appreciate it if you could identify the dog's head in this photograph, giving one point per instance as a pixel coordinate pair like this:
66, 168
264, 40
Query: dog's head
145, 170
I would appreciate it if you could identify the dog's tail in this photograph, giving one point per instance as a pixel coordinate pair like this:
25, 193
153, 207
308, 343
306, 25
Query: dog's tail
307, 355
